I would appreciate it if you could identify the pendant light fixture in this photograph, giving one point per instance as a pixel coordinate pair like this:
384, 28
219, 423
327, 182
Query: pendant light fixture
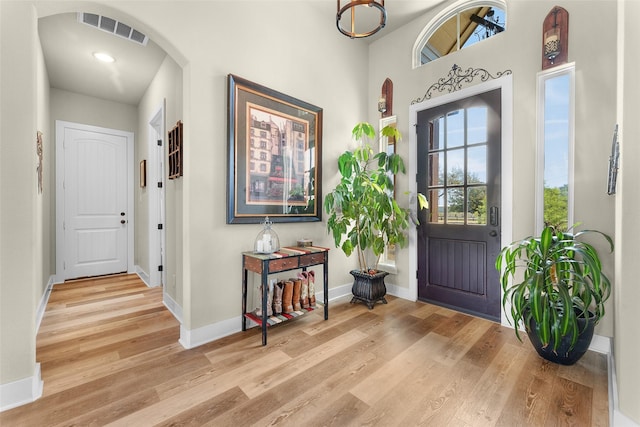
366, 19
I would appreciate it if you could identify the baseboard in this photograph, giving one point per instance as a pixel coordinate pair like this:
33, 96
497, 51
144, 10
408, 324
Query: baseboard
43, 302
172, 306
21, 392
143, 276
400, 292
191, 338
616, 418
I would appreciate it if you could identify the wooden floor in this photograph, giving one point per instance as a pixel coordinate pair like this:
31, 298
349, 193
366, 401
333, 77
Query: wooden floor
110, 355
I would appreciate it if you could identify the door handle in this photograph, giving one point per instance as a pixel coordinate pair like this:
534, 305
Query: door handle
494, 218
493, 233
122, 221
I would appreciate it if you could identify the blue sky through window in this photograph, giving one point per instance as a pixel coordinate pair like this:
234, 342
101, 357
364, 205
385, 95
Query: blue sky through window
556, 131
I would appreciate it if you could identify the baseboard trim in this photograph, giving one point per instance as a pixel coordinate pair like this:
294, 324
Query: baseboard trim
21, 392
143, 276
191, 338
400, 292
616, 418
172, 306
43, 302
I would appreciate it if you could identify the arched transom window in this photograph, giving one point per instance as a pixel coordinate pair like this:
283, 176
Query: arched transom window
461, 25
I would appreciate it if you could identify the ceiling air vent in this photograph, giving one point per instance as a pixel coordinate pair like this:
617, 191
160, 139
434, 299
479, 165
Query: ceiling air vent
114, 27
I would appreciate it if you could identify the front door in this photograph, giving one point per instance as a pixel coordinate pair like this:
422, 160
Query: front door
95, 191
459, 146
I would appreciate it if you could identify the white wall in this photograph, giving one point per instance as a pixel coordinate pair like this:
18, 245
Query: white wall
88, 110
45, 214
627, 289
20, 243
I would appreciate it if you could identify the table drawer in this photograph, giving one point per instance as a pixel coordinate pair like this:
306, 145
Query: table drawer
312, 259
283, 264
253, 264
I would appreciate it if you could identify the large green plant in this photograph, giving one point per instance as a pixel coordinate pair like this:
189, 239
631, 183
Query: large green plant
363, 212
559, 278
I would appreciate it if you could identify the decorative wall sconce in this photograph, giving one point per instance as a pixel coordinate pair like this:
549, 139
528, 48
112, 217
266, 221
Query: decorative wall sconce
555, 38
382, 105
385, 103
552, 44
351, 7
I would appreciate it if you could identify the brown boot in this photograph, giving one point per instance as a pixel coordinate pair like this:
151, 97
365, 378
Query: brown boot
311, 275
297, 284
304, 289
277, 297
287, 297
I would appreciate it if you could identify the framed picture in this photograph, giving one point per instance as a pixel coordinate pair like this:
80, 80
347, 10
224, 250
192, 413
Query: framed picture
143, 173
275, 156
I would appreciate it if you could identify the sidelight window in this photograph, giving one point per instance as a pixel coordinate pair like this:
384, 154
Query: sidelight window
554, 192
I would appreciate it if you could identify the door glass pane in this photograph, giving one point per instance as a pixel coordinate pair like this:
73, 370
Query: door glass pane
556, 151
477, 164
455, 206
477, 205
436, 139
436, 169
455, 167
455, 128
436, 204
476, 125
457, 175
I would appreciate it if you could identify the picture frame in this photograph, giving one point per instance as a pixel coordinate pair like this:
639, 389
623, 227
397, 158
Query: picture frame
274, 156
143, 173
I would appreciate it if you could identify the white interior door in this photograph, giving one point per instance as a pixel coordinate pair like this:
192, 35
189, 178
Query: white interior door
96, 211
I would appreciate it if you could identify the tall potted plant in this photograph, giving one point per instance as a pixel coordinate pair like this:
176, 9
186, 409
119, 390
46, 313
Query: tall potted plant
558, 291
363, 212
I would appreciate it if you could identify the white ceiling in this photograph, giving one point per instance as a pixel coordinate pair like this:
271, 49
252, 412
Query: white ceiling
68, 47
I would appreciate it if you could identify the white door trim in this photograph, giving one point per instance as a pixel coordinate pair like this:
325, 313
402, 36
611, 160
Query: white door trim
506, 210
156, 214
60, 199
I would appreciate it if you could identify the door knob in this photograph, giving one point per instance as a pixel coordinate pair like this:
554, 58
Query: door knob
493, 233
122, 221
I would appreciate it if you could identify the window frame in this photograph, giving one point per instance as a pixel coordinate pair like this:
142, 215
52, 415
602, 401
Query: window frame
446, 14
542, 76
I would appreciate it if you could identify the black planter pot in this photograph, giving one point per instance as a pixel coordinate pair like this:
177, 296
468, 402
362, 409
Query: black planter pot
564, 355
368, 288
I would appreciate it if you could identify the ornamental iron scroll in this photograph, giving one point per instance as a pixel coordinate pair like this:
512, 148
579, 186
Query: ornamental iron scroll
455, 79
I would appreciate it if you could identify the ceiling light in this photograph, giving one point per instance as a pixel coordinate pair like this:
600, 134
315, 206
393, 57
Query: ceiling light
104, 57
371, 26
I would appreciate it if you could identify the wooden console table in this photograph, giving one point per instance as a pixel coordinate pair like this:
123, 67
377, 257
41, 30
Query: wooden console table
287, 258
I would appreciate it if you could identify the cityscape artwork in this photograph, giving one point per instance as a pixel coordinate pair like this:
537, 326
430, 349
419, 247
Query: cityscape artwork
274, 156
